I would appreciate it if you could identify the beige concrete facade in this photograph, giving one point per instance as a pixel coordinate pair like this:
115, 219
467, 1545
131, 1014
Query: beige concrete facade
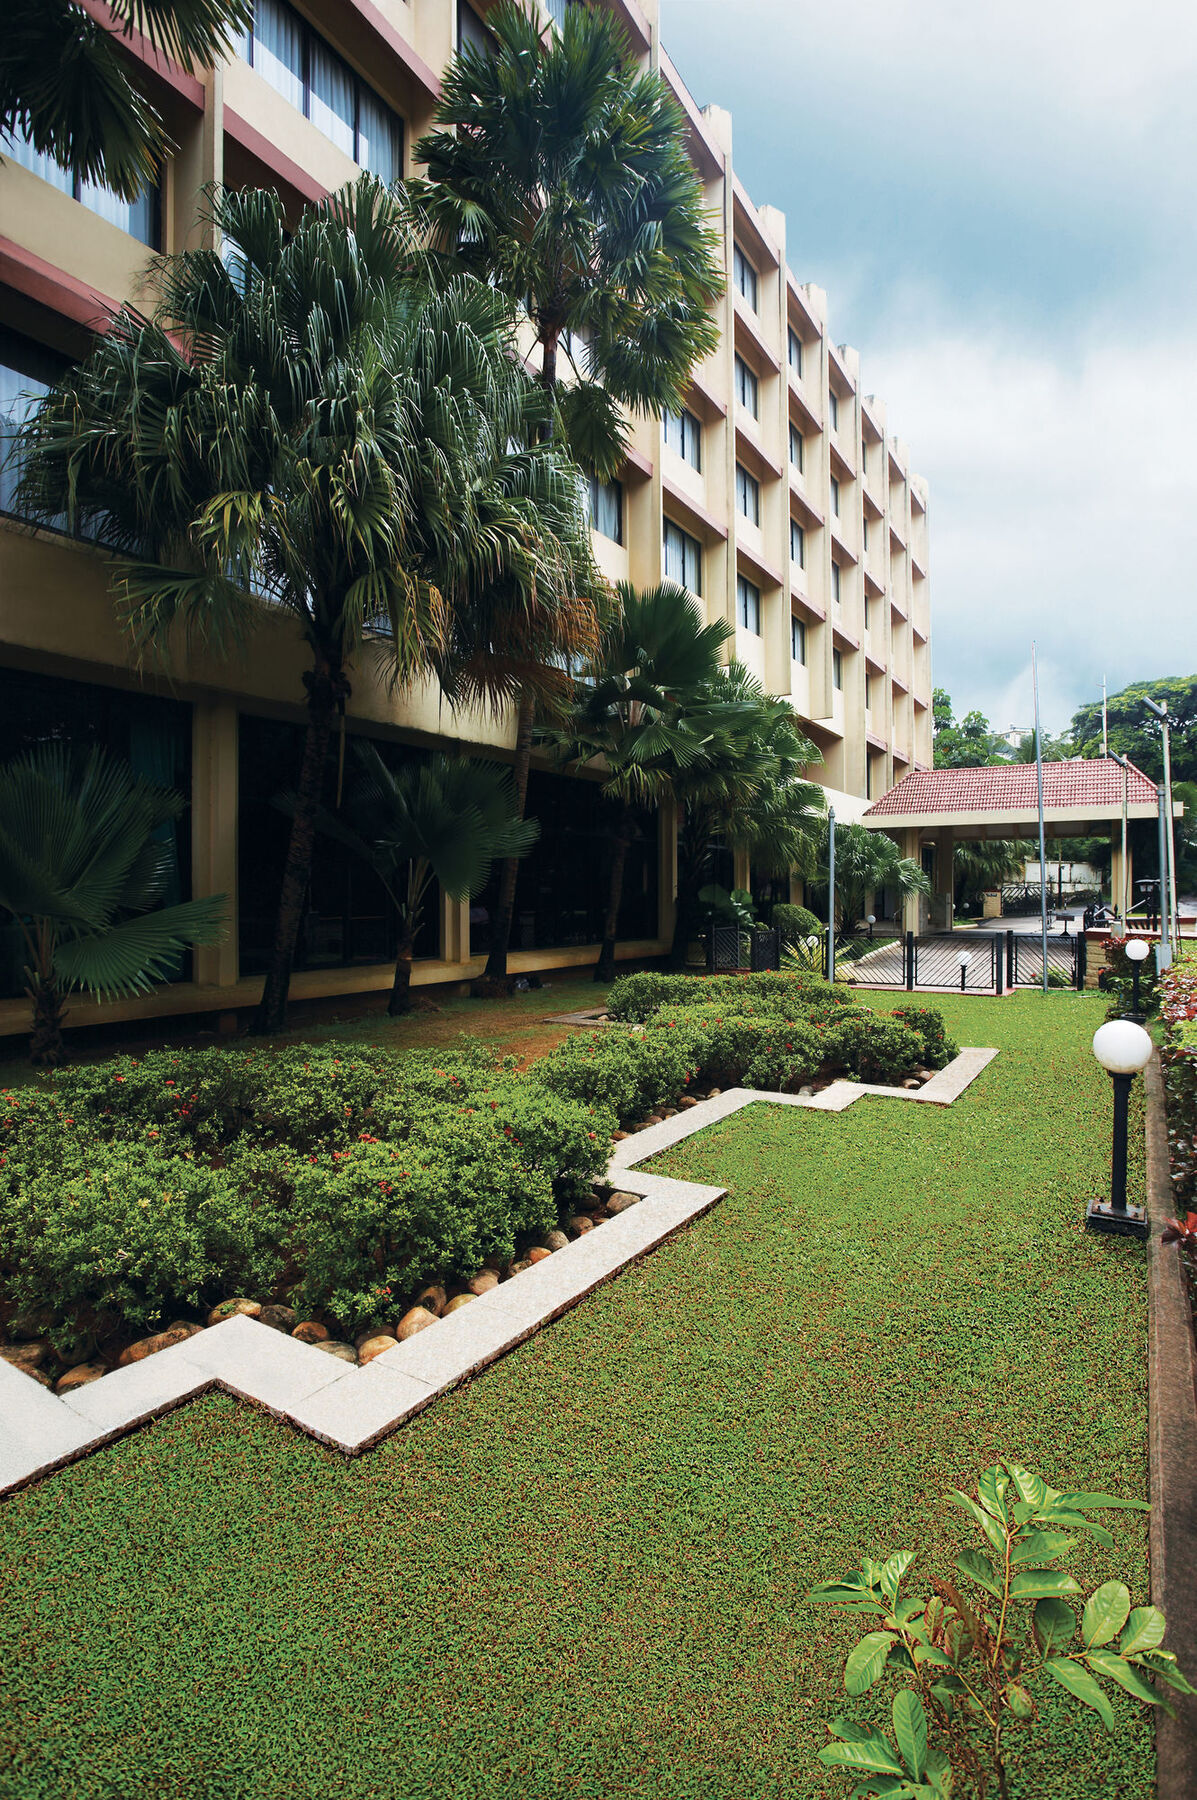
801, 491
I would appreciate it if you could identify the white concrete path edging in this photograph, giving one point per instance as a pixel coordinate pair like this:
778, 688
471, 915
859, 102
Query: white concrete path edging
353, 1408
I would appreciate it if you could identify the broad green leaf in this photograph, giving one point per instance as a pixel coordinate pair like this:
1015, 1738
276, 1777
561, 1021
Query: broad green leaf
1081, 1685
1030, 1487
910, 1731
1163, 1664
1105, 1662
893, 1571
1076, 1522
1039, 1547
900, 1658
874, 1757
1106, 1612
908, 1609
1054, 1622
1033, 1584
991, 1492
866, 1661
969, 1504
883, 1787
979, 1569
1019, 1701
939, 1774
928, 1654
1144, 1631
853, 1732
1084, 1502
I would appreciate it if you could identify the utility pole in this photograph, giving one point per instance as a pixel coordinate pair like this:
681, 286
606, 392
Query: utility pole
1168, 886
1042, 835
1125, 908
831, 893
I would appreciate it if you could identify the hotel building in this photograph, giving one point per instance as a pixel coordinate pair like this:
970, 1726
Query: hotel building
779, 495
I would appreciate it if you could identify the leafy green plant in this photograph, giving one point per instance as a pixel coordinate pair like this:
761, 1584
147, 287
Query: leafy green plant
795, 923
976, 1663
83, 870
629, 1073
938, 1047
871, 1047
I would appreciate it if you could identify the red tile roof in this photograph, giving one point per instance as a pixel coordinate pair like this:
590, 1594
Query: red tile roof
1011, 787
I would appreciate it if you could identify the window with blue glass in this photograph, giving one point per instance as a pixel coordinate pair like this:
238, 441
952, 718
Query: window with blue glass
27, 371
797, 639
141, 218
299, 65
748, 605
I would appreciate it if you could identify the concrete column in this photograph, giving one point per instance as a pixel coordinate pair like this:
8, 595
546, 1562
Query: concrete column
742, 877
943, 903
1117, 872
454, 936
911, 848
214, 829
666, 870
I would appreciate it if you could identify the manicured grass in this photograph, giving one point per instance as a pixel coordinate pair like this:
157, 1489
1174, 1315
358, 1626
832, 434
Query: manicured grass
584, 1574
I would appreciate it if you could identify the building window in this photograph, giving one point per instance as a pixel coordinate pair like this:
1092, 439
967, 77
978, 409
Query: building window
797, 544
835, 496
864, 532
837, 670
797, 451
833, 402
557, 10
794, 351
868, 778
867, 612
797, 639
682, 558
864, 458
744, 276
298, 64
27, 372
141, 218
748, 495
748, 391
683, 433
606, 508
748, 605
835, 582
471, 30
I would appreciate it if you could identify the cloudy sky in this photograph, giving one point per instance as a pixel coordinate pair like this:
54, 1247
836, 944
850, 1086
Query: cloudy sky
1001, 202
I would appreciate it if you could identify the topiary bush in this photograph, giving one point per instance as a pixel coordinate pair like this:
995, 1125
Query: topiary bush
635, 998
795, 923
374, 1223
630, 1073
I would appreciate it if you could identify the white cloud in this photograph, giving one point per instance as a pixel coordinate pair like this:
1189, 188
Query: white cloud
1062, 501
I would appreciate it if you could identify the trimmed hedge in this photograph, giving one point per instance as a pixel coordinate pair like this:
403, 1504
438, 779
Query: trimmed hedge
635, 998
147, 1186
795, 923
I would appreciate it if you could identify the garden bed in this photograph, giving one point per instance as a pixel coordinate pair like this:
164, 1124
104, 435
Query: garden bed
352, 1199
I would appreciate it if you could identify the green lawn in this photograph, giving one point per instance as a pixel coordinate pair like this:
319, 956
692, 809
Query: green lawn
584, 1575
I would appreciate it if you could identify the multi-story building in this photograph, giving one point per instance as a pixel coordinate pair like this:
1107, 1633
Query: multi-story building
779, 496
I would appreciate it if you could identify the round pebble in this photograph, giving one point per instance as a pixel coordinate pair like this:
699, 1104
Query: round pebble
483, 1282
331, 1347
555, 1240
230, 1309
456, 1304
417, 1318
279, 1318
79, 1377
375, 1346
310, 1331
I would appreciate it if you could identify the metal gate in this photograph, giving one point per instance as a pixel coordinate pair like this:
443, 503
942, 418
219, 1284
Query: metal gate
974, 962
729, 949
970, 965
1066, 959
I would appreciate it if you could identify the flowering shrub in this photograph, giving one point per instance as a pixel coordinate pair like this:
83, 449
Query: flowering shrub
635, 998
938, 1047
873, 1048
628, 1072
1178, 1055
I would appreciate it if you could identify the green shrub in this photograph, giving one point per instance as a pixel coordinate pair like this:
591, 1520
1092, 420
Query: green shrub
795, 923
873, 1048
374, 1223
112, 1234
635, 998
938, 1047
567, 1140
628, 1072
789, 1054
1178, 1056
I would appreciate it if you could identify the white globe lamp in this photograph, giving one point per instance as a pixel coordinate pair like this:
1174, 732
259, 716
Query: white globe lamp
1123, 1049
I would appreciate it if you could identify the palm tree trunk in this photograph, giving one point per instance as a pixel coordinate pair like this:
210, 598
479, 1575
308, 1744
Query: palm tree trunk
400, 1000
604, 968
500, 940
46, 1047
325, 686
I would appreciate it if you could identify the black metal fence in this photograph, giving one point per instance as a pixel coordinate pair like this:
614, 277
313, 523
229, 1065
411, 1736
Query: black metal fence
730, 948
982, 962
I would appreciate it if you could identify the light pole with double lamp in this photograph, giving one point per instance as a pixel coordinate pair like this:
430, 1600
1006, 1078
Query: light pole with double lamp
1137, 951
1124, 1050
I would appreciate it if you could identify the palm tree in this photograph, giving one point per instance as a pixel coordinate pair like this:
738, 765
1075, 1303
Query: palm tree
81, 866
643, 712
560, 173
308, 426
865, 861
745, 789
442, 820
65, 87
983, 864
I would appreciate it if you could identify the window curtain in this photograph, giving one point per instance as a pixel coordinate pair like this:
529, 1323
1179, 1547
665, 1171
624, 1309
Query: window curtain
278, 49
380, 138
332, 97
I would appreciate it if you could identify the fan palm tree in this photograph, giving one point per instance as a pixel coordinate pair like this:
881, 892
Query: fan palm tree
65, 87
81, 867
865, 861
745, 789
643, 713
559, 171
982, 864
309, 426
444, 820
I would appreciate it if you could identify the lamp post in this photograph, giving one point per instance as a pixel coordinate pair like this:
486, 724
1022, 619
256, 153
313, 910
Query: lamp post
963, 959
1123, 1048
870, 922
1160, 712
1137, 951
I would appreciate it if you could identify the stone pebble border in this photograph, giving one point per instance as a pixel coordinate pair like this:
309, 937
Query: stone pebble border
352, 1408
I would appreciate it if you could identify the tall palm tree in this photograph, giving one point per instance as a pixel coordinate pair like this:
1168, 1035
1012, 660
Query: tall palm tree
81, 866
308, 425
642, 713
66, 89
559, 171
746, 790
443, 820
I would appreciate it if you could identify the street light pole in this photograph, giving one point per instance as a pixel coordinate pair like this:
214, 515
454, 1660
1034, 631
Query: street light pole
1125, 908
831, 893
1123, 1049
1169, 893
